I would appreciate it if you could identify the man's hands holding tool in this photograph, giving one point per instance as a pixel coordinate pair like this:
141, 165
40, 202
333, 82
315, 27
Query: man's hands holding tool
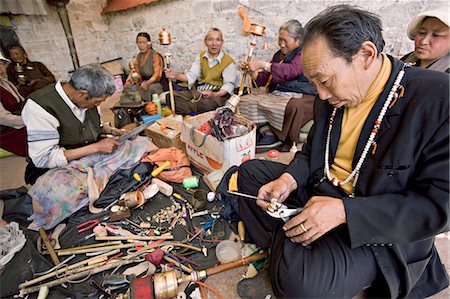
320, 214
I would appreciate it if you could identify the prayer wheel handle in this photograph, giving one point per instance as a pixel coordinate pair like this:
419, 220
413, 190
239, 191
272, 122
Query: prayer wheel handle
235, 264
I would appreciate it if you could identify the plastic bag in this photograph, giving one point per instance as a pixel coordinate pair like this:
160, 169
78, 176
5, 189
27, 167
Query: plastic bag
179, 168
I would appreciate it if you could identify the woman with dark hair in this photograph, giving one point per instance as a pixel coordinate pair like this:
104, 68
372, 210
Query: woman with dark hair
285, 100
146, 69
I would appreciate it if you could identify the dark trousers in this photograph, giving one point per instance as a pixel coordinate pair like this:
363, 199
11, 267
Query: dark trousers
328, 268
188, 101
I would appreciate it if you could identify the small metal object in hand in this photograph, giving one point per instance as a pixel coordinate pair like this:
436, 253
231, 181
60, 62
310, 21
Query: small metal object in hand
279, 210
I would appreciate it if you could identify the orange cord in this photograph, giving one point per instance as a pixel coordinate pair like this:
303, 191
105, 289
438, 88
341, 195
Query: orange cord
210, 288
203, 292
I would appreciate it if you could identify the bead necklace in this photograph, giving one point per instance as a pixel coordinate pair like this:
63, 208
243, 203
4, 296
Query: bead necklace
370, 141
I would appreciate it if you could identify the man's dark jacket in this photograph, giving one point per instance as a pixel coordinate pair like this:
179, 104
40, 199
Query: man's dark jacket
402, 196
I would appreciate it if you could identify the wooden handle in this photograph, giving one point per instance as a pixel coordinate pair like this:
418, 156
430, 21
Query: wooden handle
160, 168
241, 230
172, 99
50, 249
235, 264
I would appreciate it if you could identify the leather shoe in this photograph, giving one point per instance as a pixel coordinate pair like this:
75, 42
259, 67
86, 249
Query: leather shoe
257, 287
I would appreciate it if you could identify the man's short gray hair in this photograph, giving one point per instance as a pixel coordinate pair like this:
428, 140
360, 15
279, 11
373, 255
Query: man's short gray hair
95, 79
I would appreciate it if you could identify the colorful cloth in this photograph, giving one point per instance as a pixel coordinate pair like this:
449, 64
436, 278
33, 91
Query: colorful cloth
60, 192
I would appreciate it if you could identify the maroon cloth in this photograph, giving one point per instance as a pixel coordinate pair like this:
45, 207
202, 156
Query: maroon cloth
298, 112
282, 72
155, 257
13, 140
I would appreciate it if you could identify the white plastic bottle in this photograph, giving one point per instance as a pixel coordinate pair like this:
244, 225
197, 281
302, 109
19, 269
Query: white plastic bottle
293, 150
155, 99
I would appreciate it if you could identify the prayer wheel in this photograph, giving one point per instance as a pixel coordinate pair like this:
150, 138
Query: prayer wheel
257, 29
164, 37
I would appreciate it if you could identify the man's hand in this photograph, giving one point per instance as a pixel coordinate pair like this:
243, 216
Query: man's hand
207, 93
107, 145
278, 189
170, 74
321, 214
22, 81
144, 85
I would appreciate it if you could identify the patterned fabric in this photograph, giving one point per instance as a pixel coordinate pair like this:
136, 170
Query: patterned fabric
266, 107
60, 192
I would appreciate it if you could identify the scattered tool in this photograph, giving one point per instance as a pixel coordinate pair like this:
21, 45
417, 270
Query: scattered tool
245, 195
279, 210
134, 132
275, 209
87, 225
50, 249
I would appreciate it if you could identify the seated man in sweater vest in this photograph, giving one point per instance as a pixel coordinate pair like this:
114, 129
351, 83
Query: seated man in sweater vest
63, 121
211, 78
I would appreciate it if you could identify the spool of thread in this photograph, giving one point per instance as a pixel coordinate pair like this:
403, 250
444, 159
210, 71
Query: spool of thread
199, 200
134, 199
210, 196
191, 182
163, 187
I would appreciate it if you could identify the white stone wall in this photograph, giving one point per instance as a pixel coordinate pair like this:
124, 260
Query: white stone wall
103, 37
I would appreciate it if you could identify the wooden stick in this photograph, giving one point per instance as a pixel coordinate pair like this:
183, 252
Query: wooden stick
49, 246
89, 246
171, 260
74, 276
96, 249
62, 270
141, 238
172, 98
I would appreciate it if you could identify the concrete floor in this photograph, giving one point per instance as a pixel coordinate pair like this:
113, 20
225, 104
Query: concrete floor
11, 176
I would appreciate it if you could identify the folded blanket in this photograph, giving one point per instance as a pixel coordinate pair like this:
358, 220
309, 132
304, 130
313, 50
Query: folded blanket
60, 192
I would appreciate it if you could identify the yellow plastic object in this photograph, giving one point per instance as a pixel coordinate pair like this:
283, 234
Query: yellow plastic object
137, 177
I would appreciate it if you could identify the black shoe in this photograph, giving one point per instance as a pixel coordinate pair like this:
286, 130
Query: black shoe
257, 287
268, 142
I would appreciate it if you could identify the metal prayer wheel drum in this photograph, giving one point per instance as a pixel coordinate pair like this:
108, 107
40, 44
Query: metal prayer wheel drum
165, 285
164, 37
257, 29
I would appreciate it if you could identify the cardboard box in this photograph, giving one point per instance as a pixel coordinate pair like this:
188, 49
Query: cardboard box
166, 137
208, 153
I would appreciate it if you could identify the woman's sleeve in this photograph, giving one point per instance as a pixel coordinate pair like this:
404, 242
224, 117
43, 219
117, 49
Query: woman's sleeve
282, 72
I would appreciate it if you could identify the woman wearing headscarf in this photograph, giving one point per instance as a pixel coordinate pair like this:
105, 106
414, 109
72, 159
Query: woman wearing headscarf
13, 137
430, 32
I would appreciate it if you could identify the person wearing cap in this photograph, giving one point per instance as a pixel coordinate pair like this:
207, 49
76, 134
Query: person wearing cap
148, 67
372, 180
431, 35
28, 76
13, 135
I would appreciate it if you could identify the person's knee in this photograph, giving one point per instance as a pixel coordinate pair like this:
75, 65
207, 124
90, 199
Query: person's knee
247, 168
297, 287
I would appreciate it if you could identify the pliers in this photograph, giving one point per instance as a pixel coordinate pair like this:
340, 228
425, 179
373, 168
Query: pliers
90, 224
279, 210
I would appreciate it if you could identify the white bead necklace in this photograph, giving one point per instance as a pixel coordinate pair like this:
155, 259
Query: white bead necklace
370, 141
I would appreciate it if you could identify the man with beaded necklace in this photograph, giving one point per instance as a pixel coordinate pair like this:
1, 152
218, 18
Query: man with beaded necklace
373, 177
